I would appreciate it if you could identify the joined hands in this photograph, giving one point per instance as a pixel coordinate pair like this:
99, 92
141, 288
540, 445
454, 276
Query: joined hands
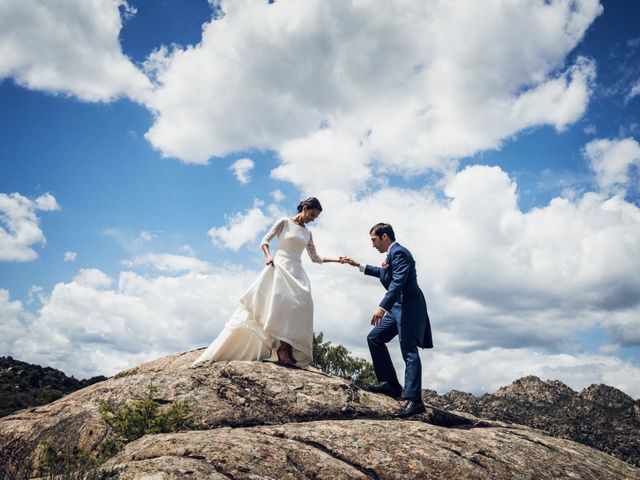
349, 261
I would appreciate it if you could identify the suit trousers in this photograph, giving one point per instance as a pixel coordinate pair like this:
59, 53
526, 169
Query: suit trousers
378, 338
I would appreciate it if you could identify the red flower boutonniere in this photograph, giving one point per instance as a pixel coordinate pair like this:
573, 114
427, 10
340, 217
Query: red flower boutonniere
384, 265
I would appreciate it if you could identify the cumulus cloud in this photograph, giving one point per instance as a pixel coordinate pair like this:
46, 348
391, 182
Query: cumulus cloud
92, 325
93, 278
404, 87
69, 47
70, 256
494, 275
327, 159
11, 328
46, 203
19, 229
612, 161
241, 169
507, 289
244, 227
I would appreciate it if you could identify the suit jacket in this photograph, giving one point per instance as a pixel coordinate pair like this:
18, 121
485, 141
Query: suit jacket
404, 299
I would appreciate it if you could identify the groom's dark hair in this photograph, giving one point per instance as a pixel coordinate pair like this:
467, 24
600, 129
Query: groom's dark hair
380, 229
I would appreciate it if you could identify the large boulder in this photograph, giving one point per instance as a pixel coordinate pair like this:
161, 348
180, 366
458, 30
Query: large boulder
363, 449
261, 420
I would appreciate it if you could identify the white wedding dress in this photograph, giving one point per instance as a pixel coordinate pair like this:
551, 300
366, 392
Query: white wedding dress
278, 306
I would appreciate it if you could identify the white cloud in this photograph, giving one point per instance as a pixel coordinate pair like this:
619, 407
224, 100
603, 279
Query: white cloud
507, 289
19, 229
93, 278
36, 293
241, 228
611, 160
47, 203
635, 91
241, 169
69, 47
346, 90
89, 326
70, 256
487, 370
494, 276
277, 196
145, 237
166, 262
88, 329
324, 160
11, 328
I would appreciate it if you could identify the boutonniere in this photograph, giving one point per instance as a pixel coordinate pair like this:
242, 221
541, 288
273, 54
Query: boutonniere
384, 265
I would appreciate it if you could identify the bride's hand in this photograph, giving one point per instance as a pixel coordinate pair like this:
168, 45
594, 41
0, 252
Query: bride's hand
269, 261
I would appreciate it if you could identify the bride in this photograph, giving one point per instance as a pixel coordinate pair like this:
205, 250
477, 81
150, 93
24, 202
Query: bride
275, 318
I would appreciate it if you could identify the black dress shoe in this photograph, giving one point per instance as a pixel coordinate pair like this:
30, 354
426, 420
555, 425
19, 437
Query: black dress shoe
394, 391
412, 407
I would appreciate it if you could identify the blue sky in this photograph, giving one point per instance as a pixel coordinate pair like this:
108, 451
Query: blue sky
502, 144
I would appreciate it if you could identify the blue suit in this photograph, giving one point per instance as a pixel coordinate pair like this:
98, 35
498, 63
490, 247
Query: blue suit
407, 317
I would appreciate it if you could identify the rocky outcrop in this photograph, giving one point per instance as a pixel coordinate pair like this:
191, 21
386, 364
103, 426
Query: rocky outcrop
364, 449
600, 416
260, 420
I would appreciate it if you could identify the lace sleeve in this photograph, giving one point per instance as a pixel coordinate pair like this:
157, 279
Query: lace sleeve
275, 230
311, 250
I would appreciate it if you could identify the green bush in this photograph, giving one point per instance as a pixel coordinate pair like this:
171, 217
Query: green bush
337, 360
141, 417
124, 424
56, 463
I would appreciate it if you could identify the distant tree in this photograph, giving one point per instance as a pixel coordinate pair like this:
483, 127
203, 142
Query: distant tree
337, 360
23, 385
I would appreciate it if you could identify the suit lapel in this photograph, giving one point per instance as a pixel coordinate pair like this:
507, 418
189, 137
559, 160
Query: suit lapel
385, 278
393, 247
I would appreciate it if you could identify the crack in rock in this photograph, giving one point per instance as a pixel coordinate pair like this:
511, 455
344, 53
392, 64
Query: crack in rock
364, 470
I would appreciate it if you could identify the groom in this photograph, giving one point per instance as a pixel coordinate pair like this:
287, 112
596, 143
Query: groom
402, 312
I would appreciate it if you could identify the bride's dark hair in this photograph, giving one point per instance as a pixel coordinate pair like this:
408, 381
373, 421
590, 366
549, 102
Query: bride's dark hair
311, 202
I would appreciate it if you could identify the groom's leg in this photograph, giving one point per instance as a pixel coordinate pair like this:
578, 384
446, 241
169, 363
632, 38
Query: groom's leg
377, 339
413, 367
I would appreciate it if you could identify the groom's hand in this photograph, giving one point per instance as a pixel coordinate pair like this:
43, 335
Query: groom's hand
377, 316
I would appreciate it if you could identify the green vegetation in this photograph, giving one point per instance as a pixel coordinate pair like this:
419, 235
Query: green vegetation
23, 385
55, 463
124, 424
337, 360
130, 422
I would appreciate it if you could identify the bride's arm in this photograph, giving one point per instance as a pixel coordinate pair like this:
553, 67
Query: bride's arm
264, 245
330, 260
267, 254
315, 258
